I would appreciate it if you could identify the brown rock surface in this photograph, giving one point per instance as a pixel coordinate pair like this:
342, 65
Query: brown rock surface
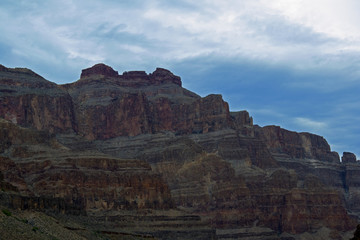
99, 69
38, 165
29, 100
161, 76
297, 145
135, 103
138, 153
206, 177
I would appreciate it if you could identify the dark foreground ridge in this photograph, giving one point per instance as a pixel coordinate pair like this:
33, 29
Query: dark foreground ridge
136, 156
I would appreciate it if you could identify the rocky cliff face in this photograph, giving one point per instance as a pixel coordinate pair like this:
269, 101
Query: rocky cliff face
297, 145
140, 143
29, 100
39, 168
109, 105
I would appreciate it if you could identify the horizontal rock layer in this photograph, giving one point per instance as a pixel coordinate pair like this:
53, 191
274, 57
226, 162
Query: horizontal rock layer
38, 165
109, 143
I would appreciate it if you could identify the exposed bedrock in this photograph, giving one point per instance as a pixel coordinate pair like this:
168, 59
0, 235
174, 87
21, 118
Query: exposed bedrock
115, 144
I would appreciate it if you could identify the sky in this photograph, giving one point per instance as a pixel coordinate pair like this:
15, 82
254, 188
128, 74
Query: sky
291, 63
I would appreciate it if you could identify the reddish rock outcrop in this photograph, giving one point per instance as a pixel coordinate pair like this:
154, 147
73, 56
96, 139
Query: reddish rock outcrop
161, 76
297, 145
99, 183
201, 116
42, 112
99, 69
149, 104
31, 101
125, 116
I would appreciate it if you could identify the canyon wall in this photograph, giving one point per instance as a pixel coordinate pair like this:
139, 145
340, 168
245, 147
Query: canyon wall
136, 141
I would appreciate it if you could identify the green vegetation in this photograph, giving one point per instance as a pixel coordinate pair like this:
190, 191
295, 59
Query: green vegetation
35, 229
25, 221
6, 212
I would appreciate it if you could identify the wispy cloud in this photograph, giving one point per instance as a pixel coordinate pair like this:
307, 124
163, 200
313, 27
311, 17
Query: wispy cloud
312, 125
334, 18
297, 34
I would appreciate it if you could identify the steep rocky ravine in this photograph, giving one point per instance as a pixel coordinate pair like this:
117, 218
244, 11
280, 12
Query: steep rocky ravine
137, 155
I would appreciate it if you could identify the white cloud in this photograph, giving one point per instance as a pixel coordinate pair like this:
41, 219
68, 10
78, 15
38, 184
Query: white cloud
335, 18
310, 125
298, 34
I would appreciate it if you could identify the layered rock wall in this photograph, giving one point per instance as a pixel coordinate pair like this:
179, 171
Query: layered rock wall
136, 141
297, 145
31, 101
136, 103
39, 168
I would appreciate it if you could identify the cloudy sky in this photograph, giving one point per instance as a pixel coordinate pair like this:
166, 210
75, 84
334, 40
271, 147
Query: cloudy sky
293, 63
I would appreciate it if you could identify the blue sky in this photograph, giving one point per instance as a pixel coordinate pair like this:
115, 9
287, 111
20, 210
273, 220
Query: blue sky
293, 63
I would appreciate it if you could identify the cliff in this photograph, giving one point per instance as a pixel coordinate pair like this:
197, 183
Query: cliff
140, 149
29, 100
